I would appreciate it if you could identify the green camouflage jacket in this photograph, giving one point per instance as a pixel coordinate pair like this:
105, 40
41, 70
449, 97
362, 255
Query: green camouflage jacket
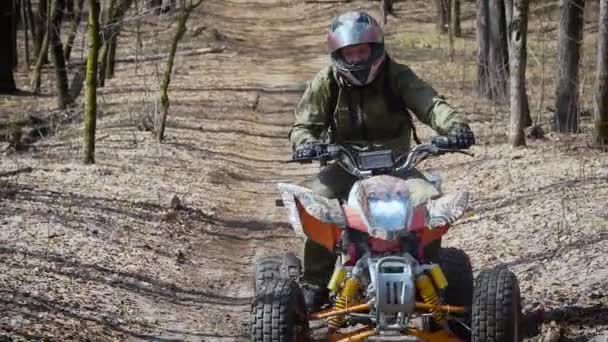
374, 118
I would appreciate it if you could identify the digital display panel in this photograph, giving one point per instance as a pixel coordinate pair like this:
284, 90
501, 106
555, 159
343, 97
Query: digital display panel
376, 159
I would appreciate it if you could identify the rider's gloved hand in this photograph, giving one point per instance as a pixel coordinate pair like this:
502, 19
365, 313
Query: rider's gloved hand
461, 136
308, 151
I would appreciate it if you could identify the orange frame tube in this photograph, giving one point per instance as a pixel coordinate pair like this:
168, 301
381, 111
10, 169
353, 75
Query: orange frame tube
365, 307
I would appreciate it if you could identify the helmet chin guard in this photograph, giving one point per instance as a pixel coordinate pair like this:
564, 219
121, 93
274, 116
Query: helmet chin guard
354, 28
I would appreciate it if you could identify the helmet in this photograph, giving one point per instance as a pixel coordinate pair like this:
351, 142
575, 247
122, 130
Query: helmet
352, 28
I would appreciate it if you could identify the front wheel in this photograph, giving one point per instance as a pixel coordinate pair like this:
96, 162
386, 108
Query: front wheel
496, 307
278, 313
457, 268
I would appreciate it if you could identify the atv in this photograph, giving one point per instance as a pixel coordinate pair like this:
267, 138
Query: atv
392, 280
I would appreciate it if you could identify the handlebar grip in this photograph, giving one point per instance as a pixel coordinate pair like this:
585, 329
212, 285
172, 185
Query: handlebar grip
443, 141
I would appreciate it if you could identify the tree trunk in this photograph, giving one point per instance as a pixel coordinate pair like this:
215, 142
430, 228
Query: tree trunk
110, 60
442, 15
509, 10
117, 20
483, 43
107, 31
14, 19
498, 54
67, 50
31, 21
455, 18
7, 36
41, 28
518, 47
387, 8
25, 23
601, 92
69, 10
90, 120
154, 5
63, 97
570, 40
509, 14
451, 33
42, 55
164, 97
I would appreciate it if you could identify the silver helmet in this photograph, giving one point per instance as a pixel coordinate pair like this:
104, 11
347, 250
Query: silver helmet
353, 28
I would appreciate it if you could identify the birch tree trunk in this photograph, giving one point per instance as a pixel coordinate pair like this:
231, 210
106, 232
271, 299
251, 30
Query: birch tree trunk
518, 49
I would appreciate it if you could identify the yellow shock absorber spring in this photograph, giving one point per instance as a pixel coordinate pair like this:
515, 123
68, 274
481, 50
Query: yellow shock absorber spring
345, 298
429, 296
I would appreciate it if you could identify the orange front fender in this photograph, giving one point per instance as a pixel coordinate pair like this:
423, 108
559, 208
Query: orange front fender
325, 234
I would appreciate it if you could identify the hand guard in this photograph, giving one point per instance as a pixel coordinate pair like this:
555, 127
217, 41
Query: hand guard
308, 151
461, 136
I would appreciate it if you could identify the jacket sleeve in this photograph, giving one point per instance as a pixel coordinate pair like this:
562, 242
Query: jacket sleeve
429, 107
311, 113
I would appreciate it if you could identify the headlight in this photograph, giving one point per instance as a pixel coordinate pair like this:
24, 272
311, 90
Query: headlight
389, 214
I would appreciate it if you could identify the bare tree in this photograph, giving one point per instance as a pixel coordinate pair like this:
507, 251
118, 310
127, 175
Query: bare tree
509, 10
483, 46
42, 52
117, 22
493, 53
25, 25
67, 50
455, 18
387, 8
442, 15
451, 42
106, 32
568, 58
63, 97
90, 120
154, 5
601, 92
509, 13
498, 56
7, 36
113, 18
517, 48
31, 20
41, 28
164, 97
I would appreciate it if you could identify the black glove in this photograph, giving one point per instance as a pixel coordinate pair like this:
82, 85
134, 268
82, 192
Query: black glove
308, 151
461, 136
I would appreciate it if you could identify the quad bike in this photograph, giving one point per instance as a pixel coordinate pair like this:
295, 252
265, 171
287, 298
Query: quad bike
385, 285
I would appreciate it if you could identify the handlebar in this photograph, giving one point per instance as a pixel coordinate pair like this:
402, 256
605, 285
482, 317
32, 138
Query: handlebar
346, 156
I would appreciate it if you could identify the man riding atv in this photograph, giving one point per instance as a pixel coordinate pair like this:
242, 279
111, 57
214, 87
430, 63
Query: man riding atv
362, 96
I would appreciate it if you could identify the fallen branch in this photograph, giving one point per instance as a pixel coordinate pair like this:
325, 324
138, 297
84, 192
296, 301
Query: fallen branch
149, 58
16, 172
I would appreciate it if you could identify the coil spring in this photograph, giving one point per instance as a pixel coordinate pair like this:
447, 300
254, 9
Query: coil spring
430, 296
345, 297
